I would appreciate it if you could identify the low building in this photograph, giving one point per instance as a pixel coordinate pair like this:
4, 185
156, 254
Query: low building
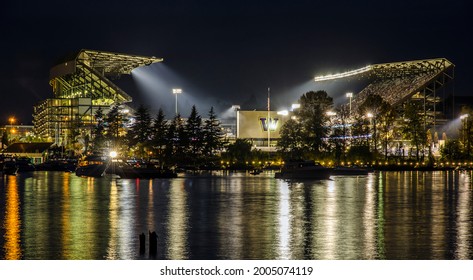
35, 151
261, 128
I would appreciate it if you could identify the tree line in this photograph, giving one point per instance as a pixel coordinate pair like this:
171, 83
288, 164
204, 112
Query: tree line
374, 131
191, 142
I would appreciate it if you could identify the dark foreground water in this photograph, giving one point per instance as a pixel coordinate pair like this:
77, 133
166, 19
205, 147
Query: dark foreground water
387, 215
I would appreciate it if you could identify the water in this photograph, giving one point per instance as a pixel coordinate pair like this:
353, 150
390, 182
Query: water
386, 215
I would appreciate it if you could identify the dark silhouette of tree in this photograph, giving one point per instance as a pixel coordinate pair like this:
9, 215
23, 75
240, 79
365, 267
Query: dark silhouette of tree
452, 150
413, 126
375, 105
177, 147
239, 151
98, 133
212, 136
291, 143
339, 134
466, 131
194, 135
115, 131
313, 118
139, 134
4, 138
159, 139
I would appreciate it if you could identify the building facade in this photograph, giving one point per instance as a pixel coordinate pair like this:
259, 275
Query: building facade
81, 85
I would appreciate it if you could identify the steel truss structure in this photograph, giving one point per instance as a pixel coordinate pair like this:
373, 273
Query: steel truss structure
81, 85
421, 81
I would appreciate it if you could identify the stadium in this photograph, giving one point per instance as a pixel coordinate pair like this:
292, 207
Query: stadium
429, 83
81, 84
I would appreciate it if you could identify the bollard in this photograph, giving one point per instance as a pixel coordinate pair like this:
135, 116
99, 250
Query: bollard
153, 243
142, 243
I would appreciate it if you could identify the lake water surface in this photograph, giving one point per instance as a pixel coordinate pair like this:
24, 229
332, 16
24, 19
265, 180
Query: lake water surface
384, 215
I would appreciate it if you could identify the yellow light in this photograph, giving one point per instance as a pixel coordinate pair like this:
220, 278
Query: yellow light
113, 154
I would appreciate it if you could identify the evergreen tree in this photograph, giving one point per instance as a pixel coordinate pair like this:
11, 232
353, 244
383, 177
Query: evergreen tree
177, 146
212, 135
159, 136
194, 135
139, 134
98, 132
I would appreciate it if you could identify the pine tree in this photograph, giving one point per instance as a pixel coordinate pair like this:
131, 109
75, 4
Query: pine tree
158, 136
139, 134
212, 135
194, 135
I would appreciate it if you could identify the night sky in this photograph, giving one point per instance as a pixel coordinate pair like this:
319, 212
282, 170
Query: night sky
226, 52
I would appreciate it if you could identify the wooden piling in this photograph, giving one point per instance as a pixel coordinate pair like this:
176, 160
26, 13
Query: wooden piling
153, 243
142, 243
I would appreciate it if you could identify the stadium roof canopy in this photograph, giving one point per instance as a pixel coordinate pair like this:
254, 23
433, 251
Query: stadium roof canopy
393, 69
84, 74
397, 82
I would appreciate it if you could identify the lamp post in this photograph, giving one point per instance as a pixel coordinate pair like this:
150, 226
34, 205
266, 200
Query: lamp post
350, 96
236, 108
176, 91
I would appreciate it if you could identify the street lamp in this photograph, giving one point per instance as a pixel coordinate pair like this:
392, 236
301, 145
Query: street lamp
350, 96
295, 106
176, 91
236, 108
370, 116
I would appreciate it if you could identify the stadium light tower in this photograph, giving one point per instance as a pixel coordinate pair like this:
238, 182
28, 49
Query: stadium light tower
176, 91
350, 96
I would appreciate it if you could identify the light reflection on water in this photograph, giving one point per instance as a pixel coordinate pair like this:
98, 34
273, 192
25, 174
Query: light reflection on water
387, 215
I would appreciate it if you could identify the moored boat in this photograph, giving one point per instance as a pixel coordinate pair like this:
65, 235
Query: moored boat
305, 170
93, 166
142, 171
10, 167
350, 170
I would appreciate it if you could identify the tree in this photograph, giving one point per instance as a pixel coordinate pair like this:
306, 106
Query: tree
139, 134
115, 130
339, 135
4, 138
239, 151
466, 130
375, 108
291, 143
212, 135
177, 145
194, 135
158, 136
414, 126
451, 151
313, 118
98, 132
